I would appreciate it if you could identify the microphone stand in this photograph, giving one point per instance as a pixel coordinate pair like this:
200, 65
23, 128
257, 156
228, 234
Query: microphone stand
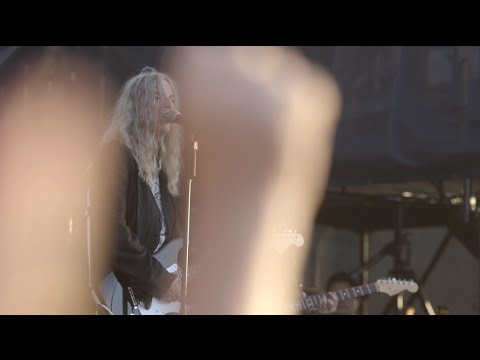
191, 175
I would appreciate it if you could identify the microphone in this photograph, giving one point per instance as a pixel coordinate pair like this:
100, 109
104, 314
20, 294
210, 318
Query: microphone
174, 117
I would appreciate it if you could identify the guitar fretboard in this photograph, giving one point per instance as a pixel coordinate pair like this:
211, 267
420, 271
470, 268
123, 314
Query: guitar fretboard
313, 301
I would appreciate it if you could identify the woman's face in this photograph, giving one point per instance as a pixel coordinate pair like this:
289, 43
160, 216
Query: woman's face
163, 105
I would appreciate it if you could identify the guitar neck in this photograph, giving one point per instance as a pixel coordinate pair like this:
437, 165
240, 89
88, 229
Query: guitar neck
313, 301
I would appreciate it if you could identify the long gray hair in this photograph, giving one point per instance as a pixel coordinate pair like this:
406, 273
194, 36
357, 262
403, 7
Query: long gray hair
134, 123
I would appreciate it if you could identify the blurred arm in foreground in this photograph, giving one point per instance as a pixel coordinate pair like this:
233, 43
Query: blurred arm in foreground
265, 119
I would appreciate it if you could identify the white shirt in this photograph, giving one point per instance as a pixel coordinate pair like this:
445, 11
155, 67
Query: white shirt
155, 188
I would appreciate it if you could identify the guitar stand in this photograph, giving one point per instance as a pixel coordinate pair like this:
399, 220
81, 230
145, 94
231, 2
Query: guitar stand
399, 249
419, 294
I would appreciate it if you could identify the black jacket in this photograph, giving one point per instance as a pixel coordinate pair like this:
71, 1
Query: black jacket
128, 223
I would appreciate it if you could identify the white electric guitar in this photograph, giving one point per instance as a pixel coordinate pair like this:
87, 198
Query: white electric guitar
283, 239
390, 286
112, 290
167, 256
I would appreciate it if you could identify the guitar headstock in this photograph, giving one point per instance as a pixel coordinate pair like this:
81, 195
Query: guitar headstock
392, 286
286, 237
